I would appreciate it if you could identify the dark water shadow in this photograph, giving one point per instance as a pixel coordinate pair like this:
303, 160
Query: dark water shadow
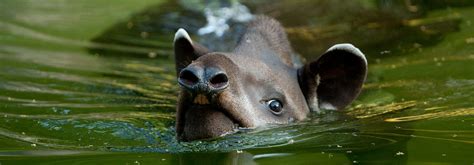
312, 26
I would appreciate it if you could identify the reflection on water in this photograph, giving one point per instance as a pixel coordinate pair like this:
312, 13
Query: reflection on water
431, 115
93, 81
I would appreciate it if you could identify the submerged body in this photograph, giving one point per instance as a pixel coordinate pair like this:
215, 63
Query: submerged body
259, 82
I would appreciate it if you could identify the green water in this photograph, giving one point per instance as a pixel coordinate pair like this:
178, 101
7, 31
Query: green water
91, 82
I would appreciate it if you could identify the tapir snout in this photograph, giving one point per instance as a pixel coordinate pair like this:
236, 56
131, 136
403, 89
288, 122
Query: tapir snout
203, 79
259, 82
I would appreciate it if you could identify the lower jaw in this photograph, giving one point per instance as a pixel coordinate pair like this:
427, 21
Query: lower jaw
205, 122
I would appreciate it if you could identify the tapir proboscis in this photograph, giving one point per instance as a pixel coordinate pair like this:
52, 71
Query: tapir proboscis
259, 83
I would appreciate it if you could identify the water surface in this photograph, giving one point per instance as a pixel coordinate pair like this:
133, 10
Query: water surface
94, 82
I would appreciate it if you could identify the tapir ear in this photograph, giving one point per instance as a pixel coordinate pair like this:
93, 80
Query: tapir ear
335, 79
185, 51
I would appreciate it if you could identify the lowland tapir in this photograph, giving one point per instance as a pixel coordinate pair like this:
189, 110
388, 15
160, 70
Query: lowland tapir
259, 82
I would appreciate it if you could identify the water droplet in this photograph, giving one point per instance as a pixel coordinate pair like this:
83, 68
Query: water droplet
130, 25
416, 45
291, 141
399, 153
144, 34
291, 120
152, 54
65, 112
385, 52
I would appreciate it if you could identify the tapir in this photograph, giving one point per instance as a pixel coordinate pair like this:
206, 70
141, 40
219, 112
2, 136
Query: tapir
260, 82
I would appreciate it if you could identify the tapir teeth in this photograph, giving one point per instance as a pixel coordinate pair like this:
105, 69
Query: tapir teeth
197, 100
201, 99
204, 100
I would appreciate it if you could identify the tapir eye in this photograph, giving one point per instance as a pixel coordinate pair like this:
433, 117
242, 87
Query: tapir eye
275, 106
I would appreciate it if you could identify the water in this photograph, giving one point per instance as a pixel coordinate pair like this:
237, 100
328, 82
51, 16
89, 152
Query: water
93, 82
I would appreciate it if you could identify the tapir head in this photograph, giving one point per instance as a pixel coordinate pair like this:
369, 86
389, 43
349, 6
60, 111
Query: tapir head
258, 84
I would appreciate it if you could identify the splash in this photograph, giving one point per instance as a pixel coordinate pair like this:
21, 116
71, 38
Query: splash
217, 19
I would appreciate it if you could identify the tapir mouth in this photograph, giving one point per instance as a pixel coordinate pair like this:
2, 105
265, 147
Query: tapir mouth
204, 118
201, 99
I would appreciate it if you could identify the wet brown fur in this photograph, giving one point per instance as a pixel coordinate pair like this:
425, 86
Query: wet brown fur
261, 68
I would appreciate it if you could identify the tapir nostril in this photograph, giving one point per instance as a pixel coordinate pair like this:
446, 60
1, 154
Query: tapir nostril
203, 80
188, 77
219, 81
